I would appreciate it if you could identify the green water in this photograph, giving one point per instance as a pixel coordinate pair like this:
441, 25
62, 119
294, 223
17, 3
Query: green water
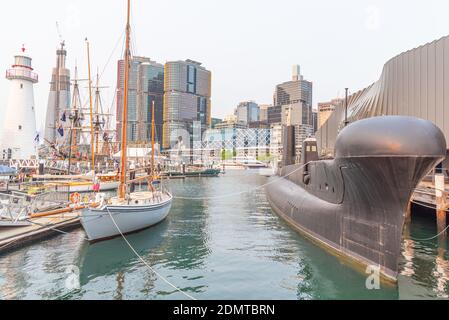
221, 248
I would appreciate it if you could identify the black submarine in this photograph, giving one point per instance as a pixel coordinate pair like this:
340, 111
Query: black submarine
355, 204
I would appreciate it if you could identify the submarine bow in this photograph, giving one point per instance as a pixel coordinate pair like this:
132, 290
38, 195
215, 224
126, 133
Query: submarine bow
355, 204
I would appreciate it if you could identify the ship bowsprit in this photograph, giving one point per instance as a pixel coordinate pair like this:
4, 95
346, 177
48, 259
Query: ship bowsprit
355, 204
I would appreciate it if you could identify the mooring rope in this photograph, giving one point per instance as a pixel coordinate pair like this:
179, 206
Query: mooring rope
243, 192
52, 228
144, 262
436, 236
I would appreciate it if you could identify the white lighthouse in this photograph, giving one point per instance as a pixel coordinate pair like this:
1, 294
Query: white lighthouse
19, 134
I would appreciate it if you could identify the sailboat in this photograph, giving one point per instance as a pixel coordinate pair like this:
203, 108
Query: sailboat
128, 211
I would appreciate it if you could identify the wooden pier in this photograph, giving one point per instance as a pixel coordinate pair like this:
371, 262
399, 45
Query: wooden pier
12, 238
425, 194
434, 193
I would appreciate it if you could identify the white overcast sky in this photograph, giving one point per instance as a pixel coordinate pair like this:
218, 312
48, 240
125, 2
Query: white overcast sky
249, 45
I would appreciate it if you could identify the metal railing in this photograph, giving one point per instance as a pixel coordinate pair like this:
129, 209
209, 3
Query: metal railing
22, 74
14, 208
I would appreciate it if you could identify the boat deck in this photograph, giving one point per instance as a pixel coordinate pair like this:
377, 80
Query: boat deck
141, 198
12, 238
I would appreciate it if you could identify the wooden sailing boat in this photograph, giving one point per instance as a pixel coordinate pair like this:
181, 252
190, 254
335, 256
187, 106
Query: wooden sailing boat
128, 211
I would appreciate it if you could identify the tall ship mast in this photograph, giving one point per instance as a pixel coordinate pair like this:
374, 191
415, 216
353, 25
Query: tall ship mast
129, 211
75, 130
76, 118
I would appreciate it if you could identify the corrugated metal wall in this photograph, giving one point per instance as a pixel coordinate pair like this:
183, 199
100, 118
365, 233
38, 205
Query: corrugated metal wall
414, 83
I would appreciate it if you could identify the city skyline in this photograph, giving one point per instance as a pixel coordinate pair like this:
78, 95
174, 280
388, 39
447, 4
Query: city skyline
330, 65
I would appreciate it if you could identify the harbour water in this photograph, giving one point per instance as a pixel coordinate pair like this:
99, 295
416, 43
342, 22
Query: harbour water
214, 248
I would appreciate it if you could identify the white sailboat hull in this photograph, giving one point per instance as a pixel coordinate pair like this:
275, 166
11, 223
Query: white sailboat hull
99, 225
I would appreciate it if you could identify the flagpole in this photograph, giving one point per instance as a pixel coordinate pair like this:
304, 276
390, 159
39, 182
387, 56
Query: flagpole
72, 120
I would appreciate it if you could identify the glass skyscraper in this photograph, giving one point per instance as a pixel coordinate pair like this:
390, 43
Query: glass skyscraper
146, 84
187, 100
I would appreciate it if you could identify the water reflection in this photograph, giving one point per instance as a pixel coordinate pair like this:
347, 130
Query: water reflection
408, 253
424, 263
441, 273
215, 248
113, 256
38, 272
13, 278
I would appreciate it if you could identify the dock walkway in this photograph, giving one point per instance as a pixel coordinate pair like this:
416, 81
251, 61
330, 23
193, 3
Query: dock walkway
15, 237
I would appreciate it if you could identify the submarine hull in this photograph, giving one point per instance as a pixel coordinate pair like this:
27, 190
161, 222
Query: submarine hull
355, 204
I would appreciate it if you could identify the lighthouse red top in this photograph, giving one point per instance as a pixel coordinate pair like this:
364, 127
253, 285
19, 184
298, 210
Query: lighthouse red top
22, 68
22, 61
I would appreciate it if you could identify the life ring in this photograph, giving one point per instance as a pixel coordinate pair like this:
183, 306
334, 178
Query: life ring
75, 198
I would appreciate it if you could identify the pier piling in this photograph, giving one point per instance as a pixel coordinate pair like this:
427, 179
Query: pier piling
408, 213
440, 205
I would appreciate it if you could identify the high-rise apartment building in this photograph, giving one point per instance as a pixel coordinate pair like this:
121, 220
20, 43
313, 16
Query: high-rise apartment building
187, 100
146, 84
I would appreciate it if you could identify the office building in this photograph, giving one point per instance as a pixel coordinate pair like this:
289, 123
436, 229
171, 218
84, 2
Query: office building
298, 94
187, 101
214, 122
325, 110
231, 125
274, 115
146, 84
247, 112
263, 112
